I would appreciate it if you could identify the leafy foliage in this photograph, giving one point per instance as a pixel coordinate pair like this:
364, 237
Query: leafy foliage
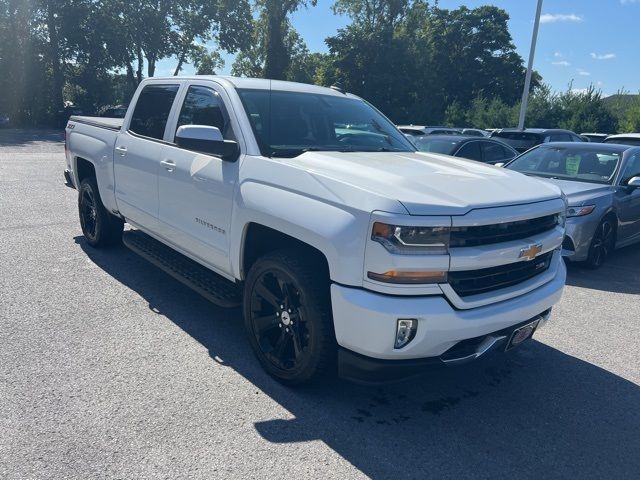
416, 61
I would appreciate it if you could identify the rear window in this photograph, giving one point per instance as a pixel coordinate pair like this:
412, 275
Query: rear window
519, 140
634, 142
426, 144
152, 110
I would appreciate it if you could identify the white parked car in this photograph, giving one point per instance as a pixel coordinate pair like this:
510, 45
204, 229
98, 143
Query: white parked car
309, 208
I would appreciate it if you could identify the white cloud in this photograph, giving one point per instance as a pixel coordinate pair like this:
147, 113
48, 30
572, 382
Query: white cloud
583, 73
561, 63
560, 17
603, 56
629, 2
558, 54
579, 91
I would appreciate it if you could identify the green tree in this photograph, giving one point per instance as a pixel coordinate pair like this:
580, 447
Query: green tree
414, 59
208, 62
301, 65
585, 111
276, 13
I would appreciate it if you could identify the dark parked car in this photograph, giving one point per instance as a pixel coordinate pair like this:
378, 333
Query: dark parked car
624, 139
484, 150
602, 185
523, 140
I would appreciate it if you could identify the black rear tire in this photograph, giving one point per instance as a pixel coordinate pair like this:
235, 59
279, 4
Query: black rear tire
99, 227
287, 316
602, 243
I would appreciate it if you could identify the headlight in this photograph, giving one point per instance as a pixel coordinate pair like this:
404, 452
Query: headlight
580, 211
412, 240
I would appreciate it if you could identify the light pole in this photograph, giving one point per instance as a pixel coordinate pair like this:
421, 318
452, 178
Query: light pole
527, 78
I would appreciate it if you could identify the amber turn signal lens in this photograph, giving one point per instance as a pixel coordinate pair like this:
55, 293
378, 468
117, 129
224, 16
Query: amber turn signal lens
408, 277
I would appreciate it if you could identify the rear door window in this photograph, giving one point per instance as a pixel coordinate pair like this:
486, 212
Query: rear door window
152, 110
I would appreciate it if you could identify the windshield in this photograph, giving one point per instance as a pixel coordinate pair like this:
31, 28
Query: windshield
593, 165
290, 123
435, 145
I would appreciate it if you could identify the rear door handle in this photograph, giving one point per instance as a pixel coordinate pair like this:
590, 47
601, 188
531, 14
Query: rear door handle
122, 151
169, 165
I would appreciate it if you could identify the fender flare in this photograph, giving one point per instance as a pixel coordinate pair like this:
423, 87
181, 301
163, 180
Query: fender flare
338, 232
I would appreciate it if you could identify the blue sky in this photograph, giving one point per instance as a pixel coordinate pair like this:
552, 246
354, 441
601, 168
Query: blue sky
584, 41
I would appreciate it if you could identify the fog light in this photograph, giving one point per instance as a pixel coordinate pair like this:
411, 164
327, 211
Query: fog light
405, 331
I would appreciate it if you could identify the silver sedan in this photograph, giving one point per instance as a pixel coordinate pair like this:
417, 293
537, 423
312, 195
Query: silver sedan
602, 185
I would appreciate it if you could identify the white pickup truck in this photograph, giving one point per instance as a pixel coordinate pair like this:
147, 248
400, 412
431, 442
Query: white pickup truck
305, 205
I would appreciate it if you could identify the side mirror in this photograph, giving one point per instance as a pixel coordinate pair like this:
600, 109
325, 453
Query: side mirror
499, 164
206, 139
633, 182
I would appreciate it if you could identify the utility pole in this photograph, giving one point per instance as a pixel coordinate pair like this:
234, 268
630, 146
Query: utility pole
527, 79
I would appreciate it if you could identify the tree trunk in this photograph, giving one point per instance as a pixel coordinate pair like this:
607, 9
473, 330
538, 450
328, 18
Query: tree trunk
140, 65
179, 66
182, 57
151, 66
277, 59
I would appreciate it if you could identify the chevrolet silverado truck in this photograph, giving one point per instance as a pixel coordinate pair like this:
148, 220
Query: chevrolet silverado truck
346, 249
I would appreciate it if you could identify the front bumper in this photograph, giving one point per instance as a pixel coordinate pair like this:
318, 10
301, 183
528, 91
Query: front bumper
372, 371
578, 235
365, 322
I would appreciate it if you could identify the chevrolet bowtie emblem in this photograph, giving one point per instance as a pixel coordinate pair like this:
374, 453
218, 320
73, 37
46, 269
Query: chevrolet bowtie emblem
531, 251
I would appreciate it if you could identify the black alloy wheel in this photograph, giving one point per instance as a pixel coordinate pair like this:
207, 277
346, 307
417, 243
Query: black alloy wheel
287, 314
602, 244
88, 214
99, 227
279, 324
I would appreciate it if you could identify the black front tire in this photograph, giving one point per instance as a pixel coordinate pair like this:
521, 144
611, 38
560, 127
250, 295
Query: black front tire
602, 243
287, 316
99, 227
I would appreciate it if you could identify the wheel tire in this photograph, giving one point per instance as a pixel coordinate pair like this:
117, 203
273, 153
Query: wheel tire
295, 344
99, 227
602, 243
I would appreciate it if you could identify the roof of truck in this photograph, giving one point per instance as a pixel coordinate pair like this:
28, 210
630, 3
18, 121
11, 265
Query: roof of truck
263, 84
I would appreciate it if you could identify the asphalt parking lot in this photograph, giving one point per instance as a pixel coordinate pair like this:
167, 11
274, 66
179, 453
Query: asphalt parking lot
111, 369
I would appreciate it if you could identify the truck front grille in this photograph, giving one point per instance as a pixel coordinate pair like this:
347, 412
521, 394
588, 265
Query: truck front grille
474, 282
501, 232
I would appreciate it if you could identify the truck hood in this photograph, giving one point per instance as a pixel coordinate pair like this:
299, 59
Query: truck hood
579, 193
427, 184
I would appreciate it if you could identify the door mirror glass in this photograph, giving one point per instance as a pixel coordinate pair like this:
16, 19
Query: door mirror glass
206, 139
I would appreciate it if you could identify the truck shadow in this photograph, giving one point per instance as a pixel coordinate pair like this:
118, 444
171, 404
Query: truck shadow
619, 274
534, 413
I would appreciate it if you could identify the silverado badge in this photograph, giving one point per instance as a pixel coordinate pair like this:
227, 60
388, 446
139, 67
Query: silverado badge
531, 251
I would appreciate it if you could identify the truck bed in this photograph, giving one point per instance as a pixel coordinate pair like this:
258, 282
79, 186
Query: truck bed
101, 122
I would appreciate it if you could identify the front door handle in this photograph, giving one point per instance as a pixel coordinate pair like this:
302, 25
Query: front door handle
168, 165
122, 151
